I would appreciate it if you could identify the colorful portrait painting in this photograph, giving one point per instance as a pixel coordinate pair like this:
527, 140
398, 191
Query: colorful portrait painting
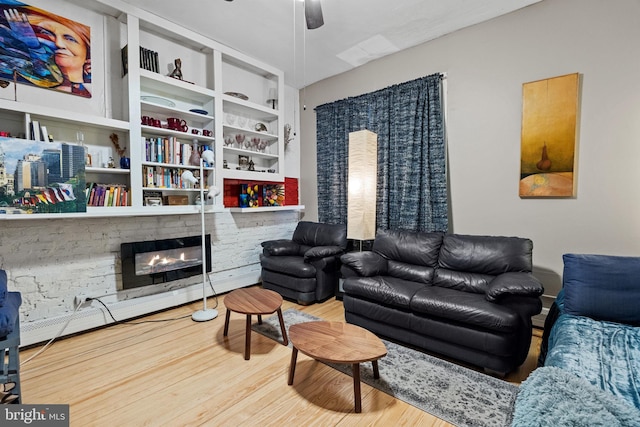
41, 49
548, 144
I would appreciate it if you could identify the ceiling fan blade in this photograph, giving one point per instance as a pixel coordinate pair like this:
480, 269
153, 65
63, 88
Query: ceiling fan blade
313, 14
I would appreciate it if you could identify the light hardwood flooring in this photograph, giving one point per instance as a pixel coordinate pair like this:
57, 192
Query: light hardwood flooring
185, 373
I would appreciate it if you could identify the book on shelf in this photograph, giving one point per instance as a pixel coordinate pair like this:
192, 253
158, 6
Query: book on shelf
35, 130
107, 195
124, 54
149, 60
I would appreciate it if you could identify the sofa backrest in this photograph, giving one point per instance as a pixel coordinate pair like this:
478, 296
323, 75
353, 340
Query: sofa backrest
410, 255
311, 234
469, 263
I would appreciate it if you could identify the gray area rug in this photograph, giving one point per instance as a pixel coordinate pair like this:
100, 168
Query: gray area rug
456, 394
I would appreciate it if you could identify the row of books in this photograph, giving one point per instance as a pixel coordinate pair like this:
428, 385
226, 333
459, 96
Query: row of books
148, 60
161, 177
107, 195
170, 150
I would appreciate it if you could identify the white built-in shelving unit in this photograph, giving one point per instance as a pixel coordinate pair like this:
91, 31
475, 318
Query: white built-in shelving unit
221, 100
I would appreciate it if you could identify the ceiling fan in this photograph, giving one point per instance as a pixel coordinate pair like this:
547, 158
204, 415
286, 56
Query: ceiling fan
313, 14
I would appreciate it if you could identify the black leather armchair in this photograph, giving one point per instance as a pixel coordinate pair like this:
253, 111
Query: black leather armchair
305, 268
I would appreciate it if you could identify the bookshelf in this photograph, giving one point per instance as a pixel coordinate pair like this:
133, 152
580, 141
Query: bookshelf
222, 94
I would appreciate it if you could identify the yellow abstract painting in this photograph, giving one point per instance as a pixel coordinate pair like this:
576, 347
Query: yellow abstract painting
548, 143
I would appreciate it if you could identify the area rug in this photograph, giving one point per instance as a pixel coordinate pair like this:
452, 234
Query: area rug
453, 393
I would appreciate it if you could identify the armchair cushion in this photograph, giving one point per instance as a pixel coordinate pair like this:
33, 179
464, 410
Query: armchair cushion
366, 264
315, 234
322, 252
291, 265
281, 247
514, 283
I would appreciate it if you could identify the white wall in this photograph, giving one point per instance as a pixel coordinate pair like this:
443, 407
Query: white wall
486, 66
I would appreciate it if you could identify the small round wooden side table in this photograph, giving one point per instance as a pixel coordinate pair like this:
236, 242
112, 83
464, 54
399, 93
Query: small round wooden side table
252, 301
337, 342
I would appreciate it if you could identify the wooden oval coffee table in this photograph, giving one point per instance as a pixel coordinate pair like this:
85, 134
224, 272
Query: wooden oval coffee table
337, 342
253, 301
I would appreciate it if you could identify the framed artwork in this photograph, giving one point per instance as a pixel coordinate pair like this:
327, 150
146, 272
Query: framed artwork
548, 143
41, 177
40, 49
273, 195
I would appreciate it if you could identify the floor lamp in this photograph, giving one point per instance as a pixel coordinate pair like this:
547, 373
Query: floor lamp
205, 314
362, 185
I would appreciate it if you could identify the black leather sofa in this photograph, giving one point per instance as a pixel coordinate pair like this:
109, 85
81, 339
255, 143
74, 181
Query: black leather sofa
305, 268
470, 298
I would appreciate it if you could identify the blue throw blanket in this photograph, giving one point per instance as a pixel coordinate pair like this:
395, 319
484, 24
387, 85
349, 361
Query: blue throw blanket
552, 397
606, 354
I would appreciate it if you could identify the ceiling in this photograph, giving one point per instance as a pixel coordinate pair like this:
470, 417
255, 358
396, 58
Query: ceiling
355, 31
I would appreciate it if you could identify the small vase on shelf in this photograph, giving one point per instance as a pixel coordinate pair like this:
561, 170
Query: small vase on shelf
125, 163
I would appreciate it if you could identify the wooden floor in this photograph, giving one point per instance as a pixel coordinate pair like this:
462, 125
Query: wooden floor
185, 373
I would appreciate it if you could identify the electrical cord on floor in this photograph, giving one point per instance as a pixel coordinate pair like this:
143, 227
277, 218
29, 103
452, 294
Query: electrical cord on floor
122, 322
126, 322
54, 338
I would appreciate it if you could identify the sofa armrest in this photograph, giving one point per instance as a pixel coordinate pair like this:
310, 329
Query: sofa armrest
365, 264
282, 247
514, 284
322, 252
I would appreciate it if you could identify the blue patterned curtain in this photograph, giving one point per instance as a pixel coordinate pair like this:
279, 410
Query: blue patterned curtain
412, 186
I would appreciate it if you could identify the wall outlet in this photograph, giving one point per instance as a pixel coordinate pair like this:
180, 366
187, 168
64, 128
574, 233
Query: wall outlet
82, 301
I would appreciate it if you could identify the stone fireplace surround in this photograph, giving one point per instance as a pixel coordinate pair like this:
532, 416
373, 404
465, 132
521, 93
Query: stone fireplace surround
51, 261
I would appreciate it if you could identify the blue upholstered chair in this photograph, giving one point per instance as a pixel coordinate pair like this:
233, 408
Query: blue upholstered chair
9, 336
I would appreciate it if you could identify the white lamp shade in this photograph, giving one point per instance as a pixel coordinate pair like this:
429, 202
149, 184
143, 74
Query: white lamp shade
208, 156
212, 193
362, 185
187, 176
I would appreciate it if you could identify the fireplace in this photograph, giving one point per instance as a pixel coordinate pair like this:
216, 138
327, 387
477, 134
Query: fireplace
159, 261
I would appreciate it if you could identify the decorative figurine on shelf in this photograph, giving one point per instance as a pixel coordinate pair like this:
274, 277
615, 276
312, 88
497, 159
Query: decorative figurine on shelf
177, 71
194, 159
251, 165
287, 134
111, 164
125, 162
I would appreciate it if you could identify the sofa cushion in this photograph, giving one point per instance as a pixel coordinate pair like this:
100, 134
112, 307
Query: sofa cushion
406, 271
385, 290
282, 247
291, 265
462, 280
464, 307
418, 248
490, 255
603, 287
365, 263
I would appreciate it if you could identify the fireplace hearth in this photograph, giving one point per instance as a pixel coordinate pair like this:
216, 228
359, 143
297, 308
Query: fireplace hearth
159, 261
